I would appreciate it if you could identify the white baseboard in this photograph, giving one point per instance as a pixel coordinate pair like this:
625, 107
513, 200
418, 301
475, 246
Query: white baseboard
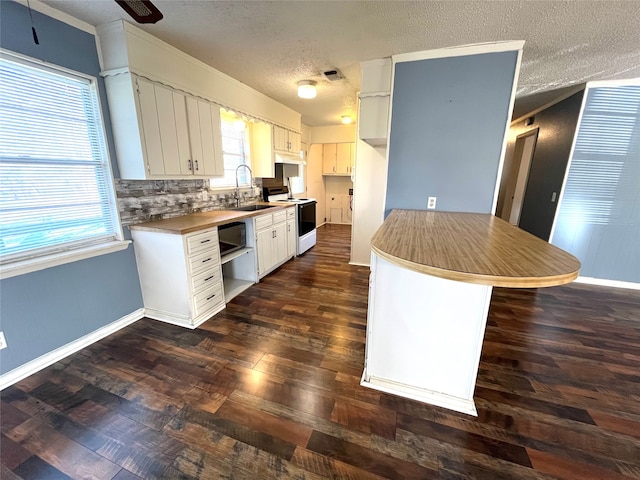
607, 283
360, 264
58, 354
438, 399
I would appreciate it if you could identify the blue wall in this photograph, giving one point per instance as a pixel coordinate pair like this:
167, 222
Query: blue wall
598, 218
447, 129
44, 310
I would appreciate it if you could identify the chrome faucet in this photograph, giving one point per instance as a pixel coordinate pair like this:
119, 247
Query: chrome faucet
237, 186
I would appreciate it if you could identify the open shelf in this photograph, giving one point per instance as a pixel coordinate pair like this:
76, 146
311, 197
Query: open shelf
234, 287
238, 253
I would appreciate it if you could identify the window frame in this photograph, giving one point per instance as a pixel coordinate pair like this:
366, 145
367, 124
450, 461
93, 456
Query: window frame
248, 159
71, 251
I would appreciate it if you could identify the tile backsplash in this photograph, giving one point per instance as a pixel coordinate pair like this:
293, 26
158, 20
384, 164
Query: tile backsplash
148, 200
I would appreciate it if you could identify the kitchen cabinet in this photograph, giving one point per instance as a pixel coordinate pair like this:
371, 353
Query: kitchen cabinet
262, 160
272, 240
286, 140
162, 133
337, 158
292, 234
180, 275
373, 119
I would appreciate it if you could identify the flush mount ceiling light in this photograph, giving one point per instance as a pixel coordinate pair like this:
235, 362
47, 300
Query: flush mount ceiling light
142, 11
346, 119
307, 89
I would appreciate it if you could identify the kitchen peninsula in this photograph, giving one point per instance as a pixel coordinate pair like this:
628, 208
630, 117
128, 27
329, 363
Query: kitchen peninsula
432, 274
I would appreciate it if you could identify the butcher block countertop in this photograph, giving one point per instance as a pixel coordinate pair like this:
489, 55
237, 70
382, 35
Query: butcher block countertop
200, 221
473, 248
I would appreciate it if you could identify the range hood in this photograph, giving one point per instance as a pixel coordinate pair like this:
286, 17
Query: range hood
289, 158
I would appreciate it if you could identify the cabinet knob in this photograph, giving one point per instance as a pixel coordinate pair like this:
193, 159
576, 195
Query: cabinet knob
197, 165
190, 165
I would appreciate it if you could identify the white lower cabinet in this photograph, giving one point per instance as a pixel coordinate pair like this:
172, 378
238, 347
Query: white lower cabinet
180, 275
292, 235
272, 240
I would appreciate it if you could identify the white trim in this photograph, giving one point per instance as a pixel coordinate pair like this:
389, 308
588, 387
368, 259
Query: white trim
608, 283
505, 137
629, 82
459, 51
420, 394
560, 98
182, 320
58, 354
58, 15
359, 264
48, 261
569, 161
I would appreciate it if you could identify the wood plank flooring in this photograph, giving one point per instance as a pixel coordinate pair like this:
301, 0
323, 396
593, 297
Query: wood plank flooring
269, 389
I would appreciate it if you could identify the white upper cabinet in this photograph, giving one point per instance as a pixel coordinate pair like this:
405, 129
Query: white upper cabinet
286, 140
375, 94
162, 133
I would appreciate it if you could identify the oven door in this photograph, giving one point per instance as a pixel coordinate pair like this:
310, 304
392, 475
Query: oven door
306, 218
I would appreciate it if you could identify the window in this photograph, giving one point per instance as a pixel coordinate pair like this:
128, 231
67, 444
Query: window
56, 192
235, 151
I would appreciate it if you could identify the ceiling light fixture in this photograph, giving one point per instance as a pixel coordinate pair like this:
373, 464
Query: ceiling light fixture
346, 119
307, 89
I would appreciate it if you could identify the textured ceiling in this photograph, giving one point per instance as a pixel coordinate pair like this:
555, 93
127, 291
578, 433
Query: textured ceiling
270, 45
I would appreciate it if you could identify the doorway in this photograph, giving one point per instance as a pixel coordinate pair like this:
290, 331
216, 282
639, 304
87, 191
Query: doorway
524, 148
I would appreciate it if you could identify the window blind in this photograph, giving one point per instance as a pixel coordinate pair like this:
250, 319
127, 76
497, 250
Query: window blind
608, 130
56, 192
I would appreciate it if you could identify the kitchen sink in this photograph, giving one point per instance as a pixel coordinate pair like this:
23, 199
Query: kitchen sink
252, 208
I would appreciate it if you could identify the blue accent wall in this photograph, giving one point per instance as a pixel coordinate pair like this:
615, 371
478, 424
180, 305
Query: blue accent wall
44, 310
447, 129
598, 218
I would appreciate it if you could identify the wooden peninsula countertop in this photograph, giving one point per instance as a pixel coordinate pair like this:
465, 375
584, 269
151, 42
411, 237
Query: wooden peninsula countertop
473, 248
194, 222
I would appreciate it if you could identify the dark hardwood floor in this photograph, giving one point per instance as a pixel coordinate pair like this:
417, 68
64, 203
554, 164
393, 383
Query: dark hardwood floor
269, 389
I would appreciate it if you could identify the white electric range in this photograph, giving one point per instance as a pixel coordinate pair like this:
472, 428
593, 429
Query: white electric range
305, 215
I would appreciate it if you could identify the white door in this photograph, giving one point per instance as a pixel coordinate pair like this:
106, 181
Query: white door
528, 147
168, 131
265, 250
280, 242
195, 137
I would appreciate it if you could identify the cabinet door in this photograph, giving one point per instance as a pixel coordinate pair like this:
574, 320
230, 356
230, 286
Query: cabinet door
291, 238
295, 140
343, 158
207, 161
182, 132
329, 158
262, 151
280, 242
168, 130
264, 245
280, 139
150, 127
195, 137
213, 161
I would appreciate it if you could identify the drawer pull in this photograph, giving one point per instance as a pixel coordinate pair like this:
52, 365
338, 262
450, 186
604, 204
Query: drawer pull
209, 298
205, 241
208, 278
207, 260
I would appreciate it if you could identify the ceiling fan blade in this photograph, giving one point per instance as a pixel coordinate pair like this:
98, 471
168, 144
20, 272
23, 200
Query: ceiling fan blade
142, 11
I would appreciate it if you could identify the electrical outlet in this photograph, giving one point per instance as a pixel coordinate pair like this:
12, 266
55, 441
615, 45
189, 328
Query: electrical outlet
3, 341
431, 203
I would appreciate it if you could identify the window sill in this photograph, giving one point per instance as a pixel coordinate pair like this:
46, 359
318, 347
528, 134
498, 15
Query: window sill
53, 260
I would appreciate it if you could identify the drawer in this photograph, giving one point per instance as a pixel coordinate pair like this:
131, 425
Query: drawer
205, 278
264, 221
279, 217
291, 213
204, 260
207, 299
199, 242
